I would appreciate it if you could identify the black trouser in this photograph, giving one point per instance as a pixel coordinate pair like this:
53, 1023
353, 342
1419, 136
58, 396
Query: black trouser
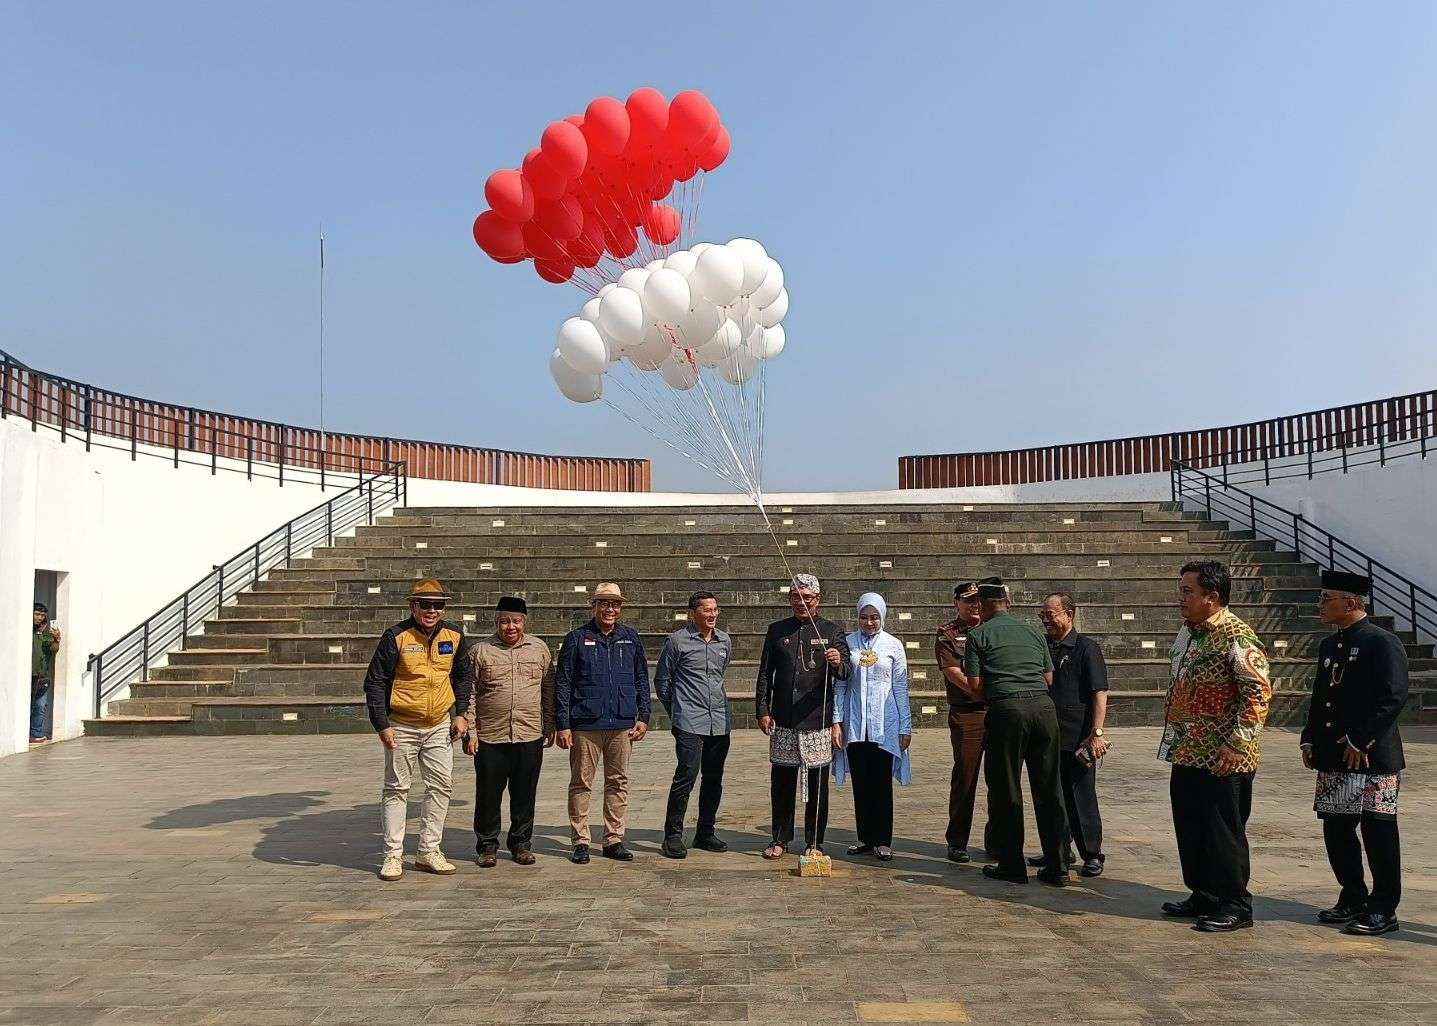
965, 731
783, 790
514, 765
872, 770
1210, 819
1023, 731
1080, 797
696, 753
1384, 855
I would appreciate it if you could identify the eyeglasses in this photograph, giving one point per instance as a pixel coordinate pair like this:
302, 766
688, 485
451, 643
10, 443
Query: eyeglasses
801, 597
423, 604
608, 604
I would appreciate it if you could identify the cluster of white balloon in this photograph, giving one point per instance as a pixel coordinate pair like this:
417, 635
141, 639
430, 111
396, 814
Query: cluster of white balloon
712, 306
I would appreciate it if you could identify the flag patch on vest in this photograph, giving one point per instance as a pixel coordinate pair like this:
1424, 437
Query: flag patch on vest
446, 648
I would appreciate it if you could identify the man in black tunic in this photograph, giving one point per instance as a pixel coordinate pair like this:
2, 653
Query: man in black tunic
1351, 739
803, 654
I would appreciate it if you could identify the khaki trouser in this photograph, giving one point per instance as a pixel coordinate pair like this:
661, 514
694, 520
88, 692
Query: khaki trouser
432, 750
589, 746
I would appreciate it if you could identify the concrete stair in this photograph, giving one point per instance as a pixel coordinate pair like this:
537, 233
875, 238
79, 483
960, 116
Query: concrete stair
289, 655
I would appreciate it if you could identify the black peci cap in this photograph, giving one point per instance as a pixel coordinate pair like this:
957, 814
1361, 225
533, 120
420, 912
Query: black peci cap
1341, 580
512, 604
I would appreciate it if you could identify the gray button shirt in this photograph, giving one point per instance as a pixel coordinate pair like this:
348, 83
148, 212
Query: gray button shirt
689, 681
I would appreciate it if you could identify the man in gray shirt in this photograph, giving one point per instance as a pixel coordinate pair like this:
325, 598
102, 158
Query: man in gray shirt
689, 683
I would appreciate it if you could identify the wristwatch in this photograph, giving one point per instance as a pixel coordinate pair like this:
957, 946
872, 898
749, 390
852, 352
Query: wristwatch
1097, 732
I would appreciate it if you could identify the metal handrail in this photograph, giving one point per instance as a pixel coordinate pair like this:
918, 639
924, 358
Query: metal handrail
130, 658
77, 409
1396, 594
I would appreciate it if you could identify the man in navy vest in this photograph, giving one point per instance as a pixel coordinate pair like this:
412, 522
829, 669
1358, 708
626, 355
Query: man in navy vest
601, 707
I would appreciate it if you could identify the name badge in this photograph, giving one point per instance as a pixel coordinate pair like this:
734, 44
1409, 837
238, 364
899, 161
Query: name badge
590, 642
817, 641
408, 649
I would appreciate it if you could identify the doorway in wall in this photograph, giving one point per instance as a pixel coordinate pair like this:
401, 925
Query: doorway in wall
45, 691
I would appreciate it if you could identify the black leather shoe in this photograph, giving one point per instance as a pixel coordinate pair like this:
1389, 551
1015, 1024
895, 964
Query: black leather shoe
860, 849
1371, 924
581, 855
1185, 909
1016, 876
672, 848
710, 843
1223, 922
1093, 867
956, 854
1340, 913
488, 858
618, 852
1041, 861
1053, 877
883, 853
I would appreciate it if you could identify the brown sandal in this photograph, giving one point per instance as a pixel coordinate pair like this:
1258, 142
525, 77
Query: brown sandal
778, 848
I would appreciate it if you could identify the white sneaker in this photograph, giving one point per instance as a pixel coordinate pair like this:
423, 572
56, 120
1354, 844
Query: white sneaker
434, 862
392, 869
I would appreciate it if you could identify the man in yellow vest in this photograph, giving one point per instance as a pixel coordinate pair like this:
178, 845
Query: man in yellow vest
416, 689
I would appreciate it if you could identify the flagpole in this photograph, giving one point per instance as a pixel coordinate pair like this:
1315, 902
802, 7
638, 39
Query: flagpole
322, 440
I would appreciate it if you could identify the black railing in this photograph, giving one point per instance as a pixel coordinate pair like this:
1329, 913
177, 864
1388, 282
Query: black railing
1392, 593
129, 659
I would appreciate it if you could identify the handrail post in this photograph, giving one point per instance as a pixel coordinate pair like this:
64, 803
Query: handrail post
87, 417
98, 681
329, 522
220, 595
1252, 512
1381, 448
1309, 460
64, 413
185, 623
321, 465
175, 427
1331, 552
1297, 534
1374, 590
145, 655
288, 536
249, 457
369, 499
214, 453
1412, 599
1207, 494
1266, 467
256, 562
282, 434
1344, 452
134, 447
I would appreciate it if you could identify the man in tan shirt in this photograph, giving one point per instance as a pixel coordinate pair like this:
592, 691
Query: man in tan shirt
512, 713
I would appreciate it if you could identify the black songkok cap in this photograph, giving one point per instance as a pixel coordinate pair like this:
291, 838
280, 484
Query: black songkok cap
966, 590
1341, 580
512, 604
40, 607
992, 588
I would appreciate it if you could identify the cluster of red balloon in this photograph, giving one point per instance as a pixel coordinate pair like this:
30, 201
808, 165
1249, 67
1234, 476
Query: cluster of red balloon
595, 182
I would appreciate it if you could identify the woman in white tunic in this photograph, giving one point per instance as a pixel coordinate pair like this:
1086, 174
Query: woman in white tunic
873, 726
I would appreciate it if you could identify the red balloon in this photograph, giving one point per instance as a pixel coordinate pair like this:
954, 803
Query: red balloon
509, 195
577, 120
662, 224
562, 220
512, 260
500, 239
691, 118
621, 243
717, 151
540, 243
558, 271
648, 118
606, 126
660, 185
565, 149
686, 168
588, 249
547, 183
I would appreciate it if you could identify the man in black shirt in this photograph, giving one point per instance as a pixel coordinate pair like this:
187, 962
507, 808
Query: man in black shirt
803, 654
1080, 692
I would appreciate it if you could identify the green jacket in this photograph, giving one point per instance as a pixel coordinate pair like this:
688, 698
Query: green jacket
42, 654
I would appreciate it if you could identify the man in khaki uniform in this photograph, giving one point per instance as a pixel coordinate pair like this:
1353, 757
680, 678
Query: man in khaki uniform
511, 716
416, 691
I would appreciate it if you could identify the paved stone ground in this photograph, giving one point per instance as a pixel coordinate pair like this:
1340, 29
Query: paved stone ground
231, 880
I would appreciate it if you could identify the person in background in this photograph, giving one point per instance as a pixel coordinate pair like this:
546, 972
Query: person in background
43, 646
872, 727
965, 718
1080, 694
511, 722
689, 683
416, 691
1351, 740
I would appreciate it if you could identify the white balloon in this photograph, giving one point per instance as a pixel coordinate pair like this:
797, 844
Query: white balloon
683, 261
666, 296
621, 315
770, 342
772, 284
590, 311
607, 289
755, 263
698, 248
654, 265
575, 385
698, 326
679, 373
775, 311
635, 278
721, 346
718, 275
582, 347
739, 369
653, 352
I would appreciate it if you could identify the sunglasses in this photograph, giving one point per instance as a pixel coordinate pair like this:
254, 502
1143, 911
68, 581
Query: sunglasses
608, 604
426, 604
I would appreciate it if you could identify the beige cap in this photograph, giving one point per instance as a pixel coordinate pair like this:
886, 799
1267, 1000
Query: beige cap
607, 590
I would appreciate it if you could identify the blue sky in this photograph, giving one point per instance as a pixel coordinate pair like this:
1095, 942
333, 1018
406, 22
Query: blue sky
1001, 225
